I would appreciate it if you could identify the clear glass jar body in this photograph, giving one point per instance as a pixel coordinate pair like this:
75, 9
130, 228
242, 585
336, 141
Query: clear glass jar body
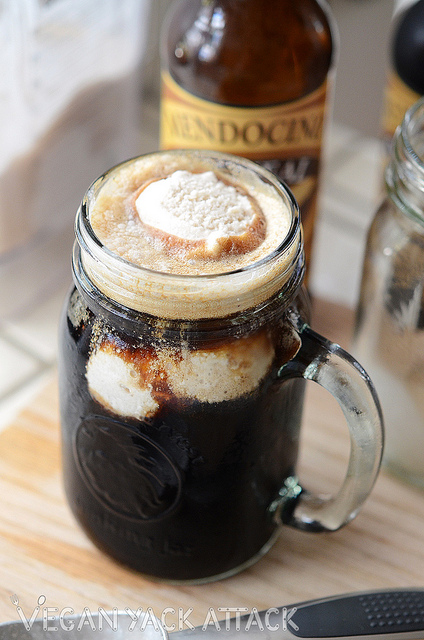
389, 333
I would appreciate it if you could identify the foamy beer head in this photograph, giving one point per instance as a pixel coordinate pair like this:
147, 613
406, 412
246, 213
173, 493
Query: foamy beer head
189, 234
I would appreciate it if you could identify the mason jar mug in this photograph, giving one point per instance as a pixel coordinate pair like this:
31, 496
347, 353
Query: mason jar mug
182, 395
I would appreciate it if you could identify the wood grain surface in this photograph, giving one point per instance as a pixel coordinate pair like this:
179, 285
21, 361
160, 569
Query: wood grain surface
44, 552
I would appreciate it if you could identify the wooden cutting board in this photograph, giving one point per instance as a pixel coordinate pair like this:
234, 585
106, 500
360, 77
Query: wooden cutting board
44, 553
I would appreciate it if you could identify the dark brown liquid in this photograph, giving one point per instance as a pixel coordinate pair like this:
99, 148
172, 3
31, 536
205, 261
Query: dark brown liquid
258, 54
184, 495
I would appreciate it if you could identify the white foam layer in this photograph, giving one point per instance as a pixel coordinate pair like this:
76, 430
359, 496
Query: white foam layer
195, 206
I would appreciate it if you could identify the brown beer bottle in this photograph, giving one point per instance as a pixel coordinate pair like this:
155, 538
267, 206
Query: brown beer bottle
251, 77
405, 84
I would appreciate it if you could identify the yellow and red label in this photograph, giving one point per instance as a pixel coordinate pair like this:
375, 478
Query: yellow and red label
286, 138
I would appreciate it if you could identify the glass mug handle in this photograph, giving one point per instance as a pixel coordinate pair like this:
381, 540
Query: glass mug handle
338, 372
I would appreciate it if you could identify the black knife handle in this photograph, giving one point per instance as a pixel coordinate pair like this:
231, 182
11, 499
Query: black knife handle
362, 614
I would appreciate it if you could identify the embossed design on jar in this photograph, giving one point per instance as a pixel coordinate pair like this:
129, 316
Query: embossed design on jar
146, 483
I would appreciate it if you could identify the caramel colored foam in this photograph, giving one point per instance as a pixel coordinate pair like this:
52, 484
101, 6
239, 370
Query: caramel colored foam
116, 223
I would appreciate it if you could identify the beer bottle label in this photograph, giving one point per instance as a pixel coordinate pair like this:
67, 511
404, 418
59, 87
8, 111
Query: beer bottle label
285, 138
397, 100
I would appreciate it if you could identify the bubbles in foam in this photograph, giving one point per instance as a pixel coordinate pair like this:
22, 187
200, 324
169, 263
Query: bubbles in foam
166, 214
237, 271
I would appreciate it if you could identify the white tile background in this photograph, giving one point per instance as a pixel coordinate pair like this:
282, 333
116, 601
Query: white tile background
351, 189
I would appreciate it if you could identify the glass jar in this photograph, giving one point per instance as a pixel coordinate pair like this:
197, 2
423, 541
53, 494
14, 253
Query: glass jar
181, 397
389, 332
